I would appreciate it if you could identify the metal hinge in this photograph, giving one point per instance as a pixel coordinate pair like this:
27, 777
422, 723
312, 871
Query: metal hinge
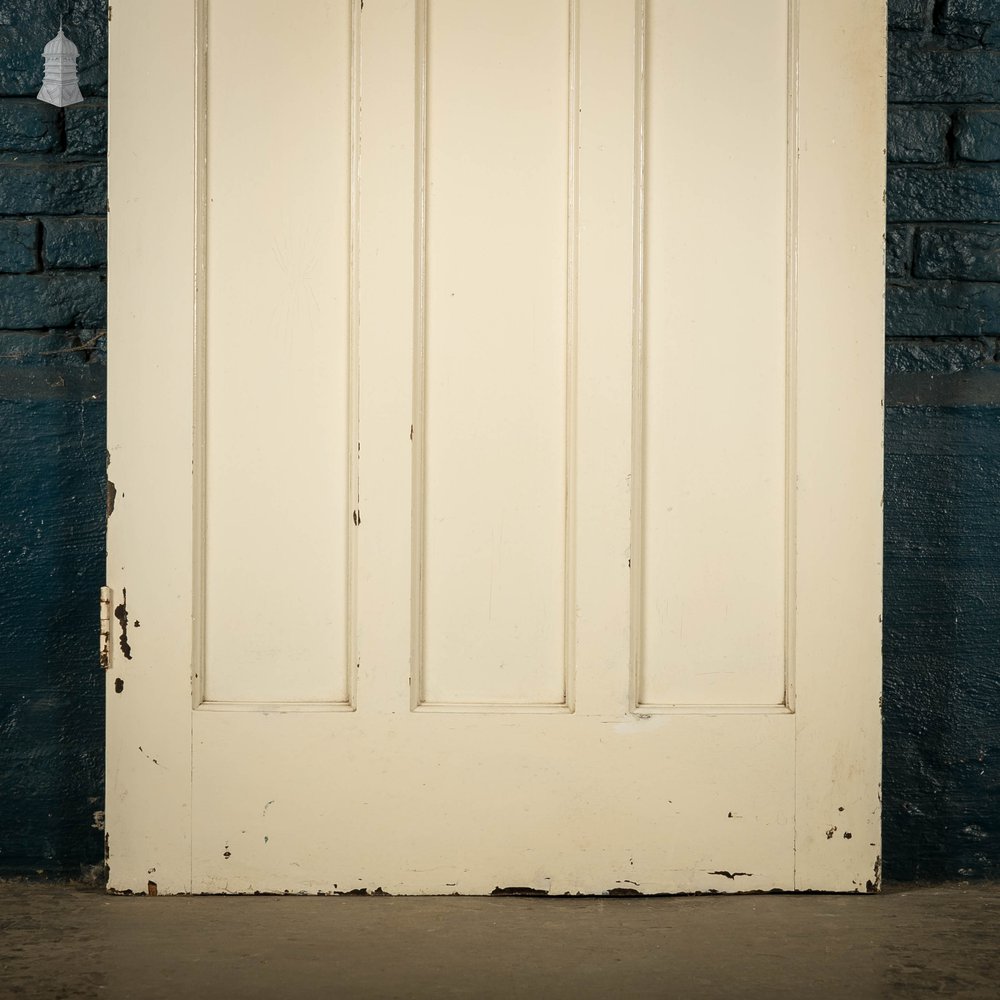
105, 627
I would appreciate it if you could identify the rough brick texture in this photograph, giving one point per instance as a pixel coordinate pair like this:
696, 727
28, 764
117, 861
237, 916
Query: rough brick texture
37, 187
52, 448
918, 135
18, 245
87, 128
33, 301
962, 254
942, 510
977, 135
75, 242
29, 126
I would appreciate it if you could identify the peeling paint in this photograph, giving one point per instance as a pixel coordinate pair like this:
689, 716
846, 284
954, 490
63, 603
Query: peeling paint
733, 875
518, 890
121, 613
874, 884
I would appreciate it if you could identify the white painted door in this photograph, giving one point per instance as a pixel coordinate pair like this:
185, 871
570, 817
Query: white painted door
495, 421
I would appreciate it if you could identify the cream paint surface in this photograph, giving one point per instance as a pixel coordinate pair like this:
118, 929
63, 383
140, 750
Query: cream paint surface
277, 362
495, 339
413, 491
713, 524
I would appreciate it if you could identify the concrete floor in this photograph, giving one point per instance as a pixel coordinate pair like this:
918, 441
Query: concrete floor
60, 942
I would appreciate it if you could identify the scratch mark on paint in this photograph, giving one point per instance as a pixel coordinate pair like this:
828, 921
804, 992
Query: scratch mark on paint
732, 875
267, 805
121, 613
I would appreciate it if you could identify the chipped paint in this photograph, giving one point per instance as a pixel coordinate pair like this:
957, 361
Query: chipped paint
105, 616
121, 613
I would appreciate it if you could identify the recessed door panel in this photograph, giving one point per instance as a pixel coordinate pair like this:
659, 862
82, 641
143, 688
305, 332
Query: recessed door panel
277, 372
713, 533
493, 336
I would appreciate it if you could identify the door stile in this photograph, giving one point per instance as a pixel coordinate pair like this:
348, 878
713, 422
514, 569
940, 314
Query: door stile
838, 447
151, 537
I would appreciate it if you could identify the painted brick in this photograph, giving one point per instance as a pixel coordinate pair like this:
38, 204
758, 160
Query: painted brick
64, 348
40, 301
977, 21
87, 128
942, 309
25, 27
977, 135
898, 251
53, 188
905, 357
79, 241
918, 135
52, 499
910, 15
948, 194
29, 126
963, 254
18, 246
918, 74
942, 616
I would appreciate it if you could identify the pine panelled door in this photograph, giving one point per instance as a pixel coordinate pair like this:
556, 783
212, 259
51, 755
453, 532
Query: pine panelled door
472, 533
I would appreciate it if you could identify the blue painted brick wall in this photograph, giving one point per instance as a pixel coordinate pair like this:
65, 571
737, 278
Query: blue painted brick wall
52, 451
941, 791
